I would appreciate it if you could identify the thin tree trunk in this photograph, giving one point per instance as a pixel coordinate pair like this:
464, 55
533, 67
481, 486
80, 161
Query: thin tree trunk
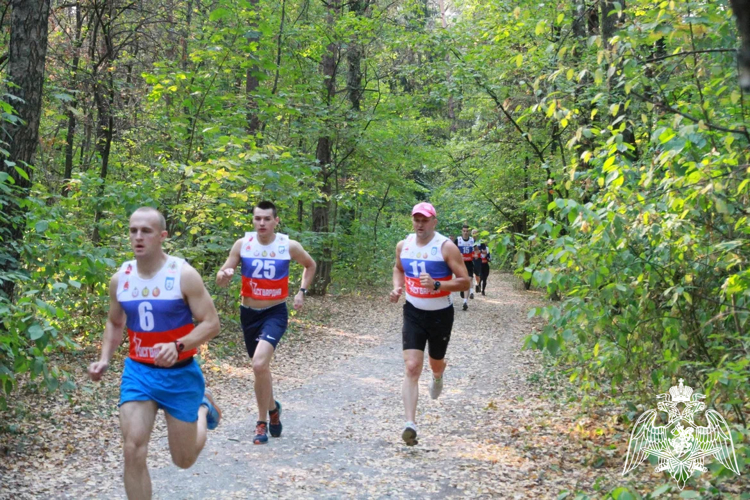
26, 57
70, 138
251, 78
321, 208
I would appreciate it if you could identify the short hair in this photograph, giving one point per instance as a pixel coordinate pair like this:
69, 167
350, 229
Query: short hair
465, 226
266, 205
162, 220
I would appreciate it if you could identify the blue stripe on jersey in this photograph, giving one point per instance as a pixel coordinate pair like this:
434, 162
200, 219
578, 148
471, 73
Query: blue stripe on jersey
158, 316
265, 268
436, 269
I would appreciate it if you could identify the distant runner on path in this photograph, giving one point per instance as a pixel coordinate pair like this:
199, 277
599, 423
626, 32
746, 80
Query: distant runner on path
476, 259
465, 244
158, 297
485, 258
425, 264
265, 255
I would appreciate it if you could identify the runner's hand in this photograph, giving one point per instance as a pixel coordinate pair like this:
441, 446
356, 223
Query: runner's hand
395, 295
426, 281
299, 300
97, 369
224, 276
167, 354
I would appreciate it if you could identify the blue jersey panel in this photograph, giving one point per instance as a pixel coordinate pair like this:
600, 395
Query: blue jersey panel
156, 315
436, 269
260, 268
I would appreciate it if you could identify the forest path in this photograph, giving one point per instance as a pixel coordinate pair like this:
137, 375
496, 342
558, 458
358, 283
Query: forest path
343, 417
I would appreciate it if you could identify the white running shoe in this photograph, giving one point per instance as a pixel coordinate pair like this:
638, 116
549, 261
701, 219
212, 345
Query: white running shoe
410, 434
436, 387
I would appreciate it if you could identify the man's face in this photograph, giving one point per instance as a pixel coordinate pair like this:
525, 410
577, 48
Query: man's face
465, 233
423, 224
146, 235
474, 233
263, 220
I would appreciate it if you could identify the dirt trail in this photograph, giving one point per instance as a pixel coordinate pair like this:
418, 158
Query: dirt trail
494, 432
342, 424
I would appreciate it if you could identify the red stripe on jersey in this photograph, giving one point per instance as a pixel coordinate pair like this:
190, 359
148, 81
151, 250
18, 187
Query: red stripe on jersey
142, 343
264, 289
415, 289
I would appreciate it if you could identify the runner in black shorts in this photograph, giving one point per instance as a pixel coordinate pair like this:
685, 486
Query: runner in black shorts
476, 259
425, 264
485, 257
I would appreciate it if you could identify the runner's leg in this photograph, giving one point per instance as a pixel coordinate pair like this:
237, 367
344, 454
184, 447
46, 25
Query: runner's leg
263, 381
136, 422
186, 439
413, 361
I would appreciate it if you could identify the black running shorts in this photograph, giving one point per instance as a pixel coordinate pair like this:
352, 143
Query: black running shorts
477, 266
427, 327
470, 267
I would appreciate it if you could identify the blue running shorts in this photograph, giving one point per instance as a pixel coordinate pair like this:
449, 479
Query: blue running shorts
264, 324
178, 391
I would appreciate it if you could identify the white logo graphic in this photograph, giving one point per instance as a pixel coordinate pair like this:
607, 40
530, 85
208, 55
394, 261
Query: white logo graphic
681, 446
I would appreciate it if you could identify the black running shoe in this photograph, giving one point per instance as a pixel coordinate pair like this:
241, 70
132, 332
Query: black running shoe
466, 306
274, 421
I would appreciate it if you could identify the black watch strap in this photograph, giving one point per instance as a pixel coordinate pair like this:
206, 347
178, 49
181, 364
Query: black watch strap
303, 290
436, 286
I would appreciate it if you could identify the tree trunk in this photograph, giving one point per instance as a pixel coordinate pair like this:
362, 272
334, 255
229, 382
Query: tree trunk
741, 9
27, 53
70, 138
251, 78
321, 208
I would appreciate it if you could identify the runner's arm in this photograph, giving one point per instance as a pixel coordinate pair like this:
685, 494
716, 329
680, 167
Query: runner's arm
224, 276
202, 307
301, 256
112, 332
398, 275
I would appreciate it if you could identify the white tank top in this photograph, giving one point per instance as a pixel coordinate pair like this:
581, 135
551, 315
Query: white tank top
427, 259
265, 268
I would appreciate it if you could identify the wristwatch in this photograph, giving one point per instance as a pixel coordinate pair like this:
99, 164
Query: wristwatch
179, 345
436, 286
304, 291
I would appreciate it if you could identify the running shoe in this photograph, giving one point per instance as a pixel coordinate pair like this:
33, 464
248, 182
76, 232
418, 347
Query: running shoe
471, 295
213, 417
436, 387
466, 306
410, 434
482, 293
261, 433
274, 421
476, 288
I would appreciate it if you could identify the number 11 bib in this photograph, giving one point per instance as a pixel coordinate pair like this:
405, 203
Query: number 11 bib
155, 310
265, 268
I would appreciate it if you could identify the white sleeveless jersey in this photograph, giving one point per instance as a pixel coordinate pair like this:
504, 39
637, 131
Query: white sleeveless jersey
265, 268
155, 309
427, 259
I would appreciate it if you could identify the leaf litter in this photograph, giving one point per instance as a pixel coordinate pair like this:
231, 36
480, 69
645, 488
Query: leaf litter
499, 429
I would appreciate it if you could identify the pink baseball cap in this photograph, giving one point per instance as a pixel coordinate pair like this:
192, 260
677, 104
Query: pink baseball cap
425, 209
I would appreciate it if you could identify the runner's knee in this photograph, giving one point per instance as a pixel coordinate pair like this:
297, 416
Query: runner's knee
413, 368
182, 459
135, 451
261, 365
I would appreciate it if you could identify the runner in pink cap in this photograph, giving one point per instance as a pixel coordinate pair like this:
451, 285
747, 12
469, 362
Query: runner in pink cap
428, 268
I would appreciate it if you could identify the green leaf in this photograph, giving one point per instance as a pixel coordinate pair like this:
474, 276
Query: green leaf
35, 332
